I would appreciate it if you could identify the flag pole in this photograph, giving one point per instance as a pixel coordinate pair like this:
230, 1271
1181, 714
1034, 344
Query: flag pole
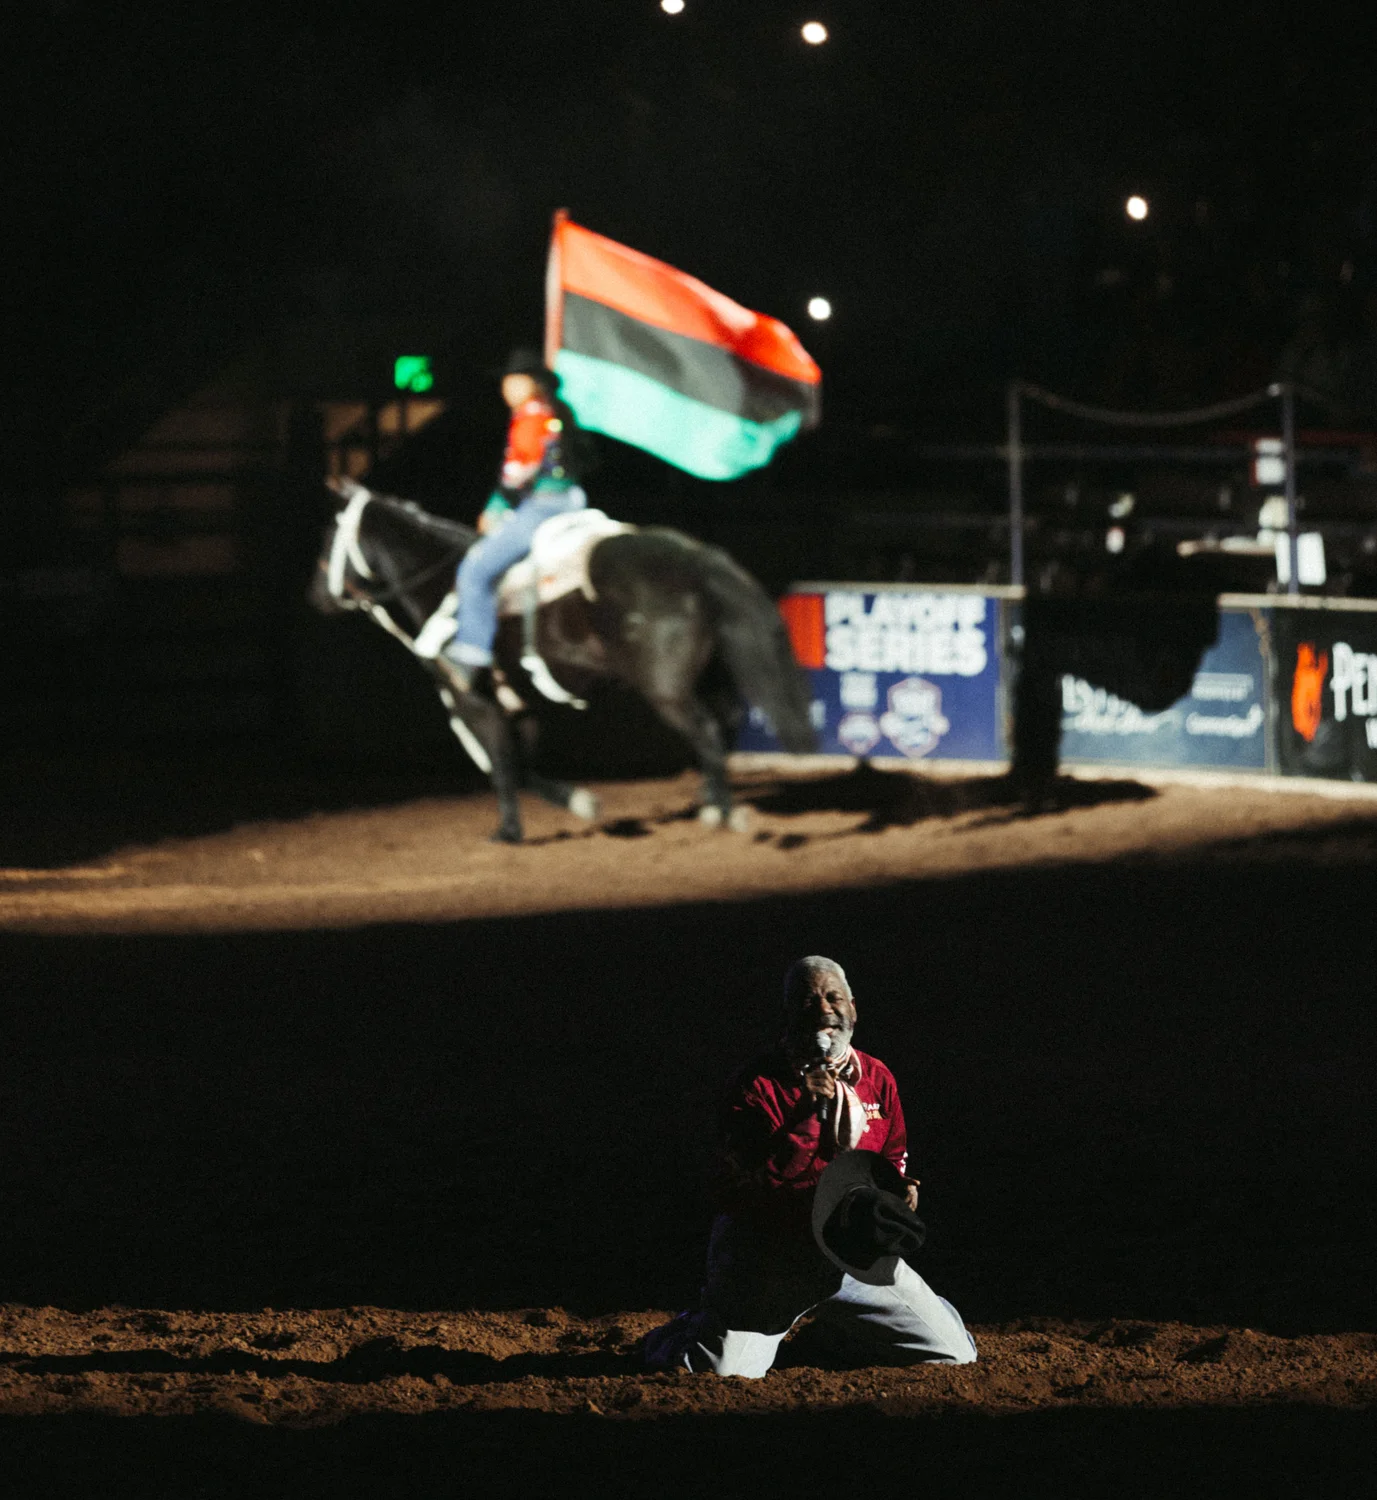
554, 291
1288, 448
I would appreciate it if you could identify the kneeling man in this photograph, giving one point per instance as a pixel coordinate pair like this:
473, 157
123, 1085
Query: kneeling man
789, 1115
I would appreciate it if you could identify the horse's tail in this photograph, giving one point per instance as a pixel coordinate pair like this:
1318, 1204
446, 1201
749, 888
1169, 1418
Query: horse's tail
756, 647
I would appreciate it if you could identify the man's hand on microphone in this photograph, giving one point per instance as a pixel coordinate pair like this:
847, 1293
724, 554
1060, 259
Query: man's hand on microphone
911, 1185
820, 1083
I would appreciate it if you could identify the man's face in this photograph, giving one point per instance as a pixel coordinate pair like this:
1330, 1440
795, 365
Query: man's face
820, 1002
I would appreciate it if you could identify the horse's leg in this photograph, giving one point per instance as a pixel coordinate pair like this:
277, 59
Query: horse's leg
699, 727
575, 799
482, 728
673, 647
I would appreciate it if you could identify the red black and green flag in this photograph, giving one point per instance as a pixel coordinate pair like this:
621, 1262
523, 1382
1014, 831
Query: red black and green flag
653, 357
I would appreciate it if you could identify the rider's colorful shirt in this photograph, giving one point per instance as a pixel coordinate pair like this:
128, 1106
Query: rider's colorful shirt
533, 459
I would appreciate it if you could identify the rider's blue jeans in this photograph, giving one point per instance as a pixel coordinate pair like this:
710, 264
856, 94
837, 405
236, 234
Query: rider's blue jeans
485, 563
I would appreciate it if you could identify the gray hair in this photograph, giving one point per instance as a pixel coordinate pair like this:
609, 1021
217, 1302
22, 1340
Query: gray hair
804, 968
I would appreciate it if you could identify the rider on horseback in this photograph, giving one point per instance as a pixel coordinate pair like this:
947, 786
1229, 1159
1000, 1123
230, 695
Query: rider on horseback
539, 479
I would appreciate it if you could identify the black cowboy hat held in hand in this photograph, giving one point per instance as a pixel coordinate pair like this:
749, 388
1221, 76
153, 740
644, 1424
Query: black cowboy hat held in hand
861, 1219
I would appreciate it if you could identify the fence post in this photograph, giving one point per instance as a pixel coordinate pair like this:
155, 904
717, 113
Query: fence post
1015, 449
1288, 447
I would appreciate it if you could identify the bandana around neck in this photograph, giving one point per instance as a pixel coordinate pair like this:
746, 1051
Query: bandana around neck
844, 1114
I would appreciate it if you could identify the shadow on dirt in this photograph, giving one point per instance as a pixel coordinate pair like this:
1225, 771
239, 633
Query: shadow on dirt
899, 799
61, 810
1279, 1451
103, 806
379, 1359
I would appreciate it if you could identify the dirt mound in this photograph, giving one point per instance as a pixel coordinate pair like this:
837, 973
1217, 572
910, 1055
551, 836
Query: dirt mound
313, 1368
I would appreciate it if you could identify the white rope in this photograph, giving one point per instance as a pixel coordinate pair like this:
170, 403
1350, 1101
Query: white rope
466, 737
378, 613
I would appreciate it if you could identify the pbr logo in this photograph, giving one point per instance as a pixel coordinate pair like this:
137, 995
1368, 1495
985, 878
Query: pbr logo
1307, 690
915, 722
1353, 684
859, 733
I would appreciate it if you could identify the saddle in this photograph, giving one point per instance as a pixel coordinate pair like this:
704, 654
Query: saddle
556, 565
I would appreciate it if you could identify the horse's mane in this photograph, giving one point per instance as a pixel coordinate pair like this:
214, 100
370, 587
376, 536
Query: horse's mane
437, 528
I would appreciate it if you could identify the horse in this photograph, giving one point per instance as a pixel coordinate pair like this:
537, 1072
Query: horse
676, 620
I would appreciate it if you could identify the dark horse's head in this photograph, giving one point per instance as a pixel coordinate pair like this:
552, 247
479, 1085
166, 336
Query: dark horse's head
380, 549
319, 592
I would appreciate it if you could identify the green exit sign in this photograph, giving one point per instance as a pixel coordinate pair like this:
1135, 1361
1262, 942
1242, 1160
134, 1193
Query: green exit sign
412, 372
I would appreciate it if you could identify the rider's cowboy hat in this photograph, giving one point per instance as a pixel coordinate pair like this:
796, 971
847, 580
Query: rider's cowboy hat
861, 1218
525, 361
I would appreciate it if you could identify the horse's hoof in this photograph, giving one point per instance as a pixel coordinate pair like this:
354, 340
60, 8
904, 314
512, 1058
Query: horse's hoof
710, 816
583, 804
739, 820
505, 836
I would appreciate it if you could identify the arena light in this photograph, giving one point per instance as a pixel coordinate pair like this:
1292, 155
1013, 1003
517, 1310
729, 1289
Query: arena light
1269, 463
814, 33
1136, 207
671, 7
819, 309
412, 372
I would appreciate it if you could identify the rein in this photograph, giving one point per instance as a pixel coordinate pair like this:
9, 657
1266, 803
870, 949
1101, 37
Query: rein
346, 548
387, 595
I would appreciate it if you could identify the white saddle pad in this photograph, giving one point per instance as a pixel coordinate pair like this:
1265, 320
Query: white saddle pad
558, 559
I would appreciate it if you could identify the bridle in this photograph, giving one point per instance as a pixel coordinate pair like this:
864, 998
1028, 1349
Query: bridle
346, 552
345, 549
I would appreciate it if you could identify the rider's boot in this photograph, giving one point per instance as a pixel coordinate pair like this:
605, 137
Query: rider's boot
465, 677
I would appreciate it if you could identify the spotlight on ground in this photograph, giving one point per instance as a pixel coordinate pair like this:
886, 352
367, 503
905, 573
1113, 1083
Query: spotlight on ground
671, 7
819, 309
1136, 207
814, 33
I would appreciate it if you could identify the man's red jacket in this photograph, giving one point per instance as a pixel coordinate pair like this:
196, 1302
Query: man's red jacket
773, 1147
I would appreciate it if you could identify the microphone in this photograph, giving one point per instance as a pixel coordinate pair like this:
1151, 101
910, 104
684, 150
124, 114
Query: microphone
823, 1042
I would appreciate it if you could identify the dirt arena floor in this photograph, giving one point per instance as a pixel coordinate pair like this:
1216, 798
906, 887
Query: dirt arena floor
347, 1152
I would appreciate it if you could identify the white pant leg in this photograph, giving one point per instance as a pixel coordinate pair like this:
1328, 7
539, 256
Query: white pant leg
734, 1351
757, 1288
899, 1324
699, 1342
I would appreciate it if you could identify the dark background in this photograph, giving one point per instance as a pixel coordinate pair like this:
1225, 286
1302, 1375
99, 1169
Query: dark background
951, 177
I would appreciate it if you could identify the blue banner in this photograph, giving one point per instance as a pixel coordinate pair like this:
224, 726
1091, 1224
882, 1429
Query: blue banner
921, 672
910, 674
1221, 722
